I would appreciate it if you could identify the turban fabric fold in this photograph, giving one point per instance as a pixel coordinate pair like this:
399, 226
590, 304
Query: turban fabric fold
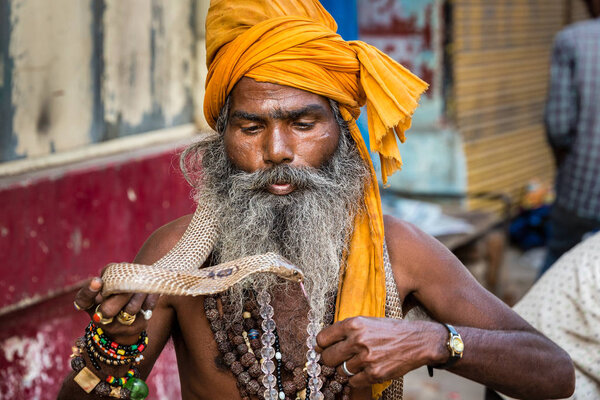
294, 43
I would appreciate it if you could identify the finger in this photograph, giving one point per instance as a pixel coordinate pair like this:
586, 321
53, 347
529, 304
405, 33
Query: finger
150, 302
134, 304
368, 376
149, 305
353, 365
332, 334
99, 298
112, 305
337, 353
127, 334
85, 298
362, 379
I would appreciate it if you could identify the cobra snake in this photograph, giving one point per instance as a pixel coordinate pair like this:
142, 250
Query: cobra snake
180, 272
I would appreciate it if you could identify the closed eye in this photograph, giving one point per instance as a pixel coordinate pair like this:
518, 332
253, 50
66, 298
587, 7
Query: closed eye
304, 126
250, 130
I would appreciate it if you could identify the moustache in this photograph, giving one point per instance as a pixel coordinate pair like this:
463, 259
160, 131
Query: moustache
302, 178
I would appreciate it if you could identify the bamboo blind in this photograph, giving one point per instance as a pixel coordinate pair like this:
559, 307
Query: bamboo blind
500, 64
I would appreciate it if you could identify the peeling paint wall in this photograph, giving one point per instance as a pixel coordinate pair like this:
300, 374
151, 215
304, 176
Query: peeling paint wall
50, 42
79, 72
34, 356
411, 32
405, 30
148, 77
8, 141
57, 230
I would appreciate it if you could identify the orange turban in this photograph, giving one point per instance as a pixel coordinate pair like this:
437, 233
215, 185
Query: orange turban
294, 43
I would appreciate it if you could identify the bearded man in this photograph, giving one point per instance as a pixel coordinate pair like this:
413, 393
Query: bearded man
288, 172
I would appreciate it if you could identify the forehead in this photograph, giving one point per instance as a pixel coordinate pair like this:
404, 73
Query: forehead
263, 97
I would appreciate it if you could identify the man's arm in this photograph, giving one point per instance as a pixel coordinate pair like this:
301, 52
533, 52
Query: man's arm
561, 107
158, 327
501, 351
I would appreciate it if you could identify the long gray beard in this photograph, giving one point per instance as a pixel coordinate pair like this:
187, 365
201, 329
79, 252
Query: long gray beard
310, 226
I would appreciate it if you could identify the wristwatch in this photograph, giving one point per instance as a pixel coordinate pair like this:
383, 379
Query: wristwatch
455, 346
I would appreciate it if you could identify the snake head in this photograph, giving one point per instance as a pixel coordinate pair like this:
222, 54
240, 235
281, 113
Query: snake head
288, 270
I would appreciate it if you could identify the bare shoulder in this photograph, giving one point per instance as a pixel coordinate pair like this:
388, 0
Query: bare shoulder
414, 255
162, 240
158, 244
404, 234
425, 269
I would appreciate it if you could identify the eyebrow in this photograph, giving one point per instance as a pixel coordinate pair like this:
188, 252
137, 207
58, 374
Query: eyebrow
280, 114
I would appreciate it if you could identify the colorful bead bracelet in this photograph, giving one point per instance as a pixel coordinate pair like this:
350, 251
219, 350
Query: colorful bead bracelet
101, 340
114, 381
130, 387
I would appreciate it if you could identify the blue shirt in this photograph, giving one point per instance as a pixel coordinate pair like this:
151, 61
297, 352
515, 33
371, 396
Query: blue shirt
573, 117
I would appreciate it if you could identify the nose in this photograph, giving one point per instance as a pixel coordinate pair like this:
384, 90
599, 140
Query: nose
277, 147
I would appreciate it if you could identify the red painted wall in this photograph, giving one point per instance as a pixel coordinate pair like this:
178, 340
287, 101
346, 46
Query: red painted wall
35, 344
56, 231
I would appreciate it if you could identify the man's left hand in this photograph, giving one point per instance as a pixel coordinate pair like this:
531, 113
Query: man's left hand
379, 349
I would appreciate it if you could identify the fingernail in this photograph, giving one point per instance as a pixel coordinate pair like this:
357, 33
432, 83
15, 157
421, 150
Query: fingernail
96, 284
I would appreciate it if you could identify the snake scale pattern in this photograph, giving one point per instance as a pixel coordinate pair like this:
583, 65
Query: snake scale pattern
180, 271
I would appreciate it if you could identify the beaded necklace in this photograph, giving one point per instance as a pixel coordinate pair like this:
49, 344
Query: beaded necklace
251, 359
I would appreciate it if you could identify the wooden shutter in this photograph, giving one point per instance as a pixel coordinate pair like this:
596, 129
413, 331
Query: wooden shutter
500, 52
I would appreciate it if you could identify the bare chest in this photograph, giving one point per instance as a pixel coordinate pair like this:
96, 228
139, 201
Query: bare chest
212, 358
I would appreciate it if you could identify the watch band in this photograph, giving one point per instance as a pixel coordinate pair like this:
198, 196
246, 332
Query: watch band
455, 347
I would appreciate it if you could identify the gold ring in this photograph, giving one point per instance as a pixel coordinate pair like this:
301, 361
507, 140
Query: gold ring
79, 308
99, 318
125, 318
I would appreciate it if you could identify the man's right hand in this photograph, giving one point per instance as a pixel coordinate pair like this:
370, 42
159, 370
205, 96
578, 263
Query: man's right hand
90, 298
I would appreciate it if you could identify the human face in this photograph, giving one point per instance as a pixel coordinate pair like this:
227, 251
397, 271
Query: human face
271, 125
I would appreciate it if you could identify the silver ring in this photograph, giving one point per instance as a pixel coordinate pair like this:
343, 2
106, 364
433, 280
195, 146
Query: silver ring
345, 369
147, 314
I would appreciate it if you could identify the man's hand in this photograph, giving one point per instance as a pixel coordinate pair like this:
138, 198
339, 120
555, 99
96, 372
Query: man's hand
379, 349
89, 298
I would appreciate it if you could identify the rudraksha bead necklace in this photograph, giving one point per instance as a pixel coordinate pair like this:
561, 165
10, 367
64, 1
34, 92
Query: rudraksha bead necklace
244, 353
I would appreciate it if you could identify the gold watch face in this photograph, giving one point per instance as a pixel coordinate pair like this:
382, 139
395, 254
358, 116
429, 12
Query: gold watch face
457, 344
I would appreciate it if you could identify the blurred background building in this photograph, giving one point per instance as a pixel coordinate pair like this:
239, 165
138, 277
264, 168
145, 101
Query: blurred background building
98, 96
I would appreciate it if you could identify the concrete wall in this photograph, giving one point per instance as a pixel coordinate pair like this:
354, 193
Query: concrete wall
96, 99
412, 32
79, 72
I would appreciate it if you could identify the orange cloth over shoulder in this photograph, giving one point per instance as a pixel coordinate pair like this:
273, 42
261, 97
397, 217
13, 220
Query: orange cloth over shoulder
294, 43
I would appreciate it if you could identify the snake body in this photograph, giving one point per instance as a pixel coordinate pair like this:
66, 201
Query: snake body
180, 271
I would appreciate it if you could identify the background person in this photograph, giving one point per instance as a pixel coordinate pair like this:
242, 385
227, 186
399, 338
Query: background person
573, 129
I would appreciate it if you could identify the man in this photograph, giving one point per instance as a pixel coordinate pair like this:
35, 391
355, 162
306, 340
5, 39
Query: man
571, 289
573, 129
289, 172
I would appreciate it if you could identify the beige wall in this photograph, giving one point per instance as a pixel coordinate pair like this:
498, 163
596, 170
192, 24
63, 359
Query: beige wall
51, 47
81, 72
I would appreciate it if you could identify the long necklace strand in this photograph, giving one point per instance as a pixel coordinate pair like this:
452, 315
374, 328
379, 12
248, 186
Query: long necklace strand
242, 351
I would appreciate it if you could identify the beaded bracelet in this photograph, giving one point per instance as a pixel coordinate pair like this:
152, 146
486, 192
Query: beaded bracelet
114, 381
129, 387
112, 352
111, 361
106, 353
112, 347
